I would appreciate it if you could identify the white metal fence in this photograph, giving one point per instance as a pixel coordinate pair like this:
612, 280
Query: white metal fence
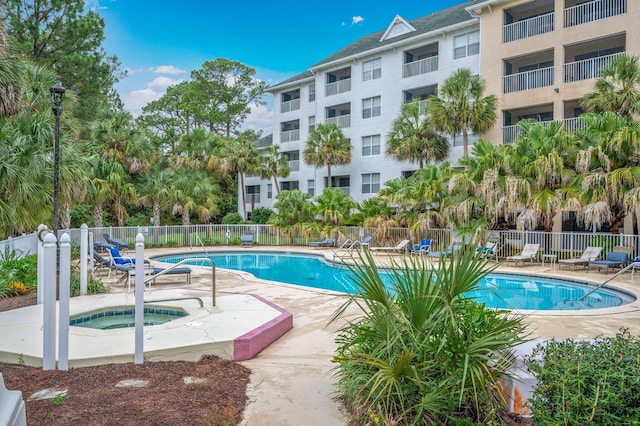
527, 80
421, 66
562, 244
593, 11
528, 27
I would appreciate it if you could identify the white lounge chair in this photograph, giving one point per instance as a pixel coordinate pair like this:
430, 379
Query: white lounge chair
529, 252
399, 248
589, 254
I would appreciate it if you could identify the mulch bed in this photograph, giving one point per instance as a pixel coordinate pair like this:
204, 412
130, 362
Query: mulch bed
94, 399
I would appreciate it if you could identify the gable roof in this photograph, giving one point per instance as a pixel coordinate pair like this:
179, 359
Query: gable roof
398, 26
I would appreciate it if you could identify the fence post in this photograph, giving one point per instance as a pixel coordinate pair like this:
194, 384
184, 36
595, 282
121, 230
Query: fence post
139, 296
84, 248
65, 290
49, 301
40, 249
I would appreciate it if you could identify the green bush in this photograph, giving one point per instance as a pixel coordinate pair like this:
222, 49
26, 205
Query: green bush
423, 353
17, 272
587, 382
260, 215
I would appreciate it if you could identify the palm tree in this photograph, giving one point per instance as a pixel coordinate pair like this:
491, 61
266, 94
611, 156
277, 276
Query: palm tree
293, 209
617, 89
273, 165
461, 106
12, 75
157, 187
412, 138
334, 206
243, 156
328, 146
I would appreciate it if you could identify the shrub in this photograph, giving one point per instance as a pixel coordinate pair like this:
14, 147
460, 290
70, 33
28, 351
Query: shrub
260, 215
17, 268
232, 218
423, 353
587, 382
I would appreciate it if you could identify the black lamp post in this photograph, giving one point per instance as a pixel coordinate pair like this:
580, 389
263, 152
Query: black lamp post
57, 96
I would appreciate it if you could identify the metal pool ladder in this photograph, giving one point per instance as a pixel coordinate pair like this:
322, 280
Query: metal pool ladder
599, 286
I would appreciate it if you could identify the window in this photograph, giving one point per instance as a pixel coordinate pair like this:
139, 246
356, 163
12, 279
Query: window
371, 183
311, 187
466, 45
372, 69
312, 123
289, 186
370, 145
312, 92
371, 107
407, 173
269, 190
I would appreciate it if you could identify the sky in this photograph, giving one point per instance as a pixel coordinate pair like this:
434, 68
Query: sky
159, 42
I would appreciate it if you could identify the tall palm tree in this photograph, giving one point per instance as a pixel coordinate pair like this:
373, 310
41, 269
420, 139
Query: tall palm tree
157, 188
460, 106
293, 209
12, 74
273, 165
617, 89
412, 138
244, 159
328, 146
334, 206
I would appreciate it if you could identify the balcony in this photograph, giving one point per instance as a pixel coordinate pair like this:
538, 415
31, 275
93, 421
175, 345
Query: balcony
573, 124
511, 133
290, 135
252, 198
291, 105
588, 68
421, 66
527, 80
294, 165
342, 121
337, 87
593, 11
528, 27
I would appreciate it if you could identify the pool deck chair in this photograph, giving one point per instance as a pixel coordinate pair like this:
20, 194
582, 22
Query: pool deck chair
422, 248
615, 259
327, 242
246, 239
490, 251
399, 248
451, 248
119, 262
115, 242
529, 252
589, 254
635, 265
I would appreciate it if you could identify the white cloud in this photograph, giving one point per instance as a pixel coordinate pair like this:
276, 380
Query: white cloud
168, 69
137, 99
356, 20
161, 83
259, 119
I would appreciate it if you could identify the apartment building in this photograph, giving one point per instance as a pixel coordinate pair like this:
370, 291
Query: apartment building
541, 57
538, 57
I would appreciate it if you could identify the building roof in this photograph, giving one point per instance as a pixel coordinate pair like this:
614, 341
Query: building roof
264, 141
426, 24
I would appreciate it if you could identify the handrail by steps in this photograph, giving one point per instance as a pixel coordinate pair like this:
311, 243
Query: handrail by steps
599, 286
191, 259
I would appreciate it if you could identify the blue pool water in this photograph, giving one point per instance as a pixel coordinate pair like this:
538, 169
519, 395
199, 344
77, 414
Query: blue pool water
509, 291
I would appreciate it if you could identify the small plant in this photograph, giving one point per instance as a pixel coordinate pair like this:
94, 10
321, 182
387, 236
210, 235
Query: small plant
221, 417
18, 288
20, 359
59, 399
587, 382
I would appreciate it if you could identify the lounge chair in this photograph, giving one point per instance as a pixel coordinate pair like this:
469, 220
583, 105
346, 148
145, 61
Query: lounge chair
121, 263
366, 241
151, 272
589, 254
246, 239
635, 265
529, 252
422, 248
451, 248
399, 248
615, 259
489, 251
102, 246
100, 261
324, 243
116, 242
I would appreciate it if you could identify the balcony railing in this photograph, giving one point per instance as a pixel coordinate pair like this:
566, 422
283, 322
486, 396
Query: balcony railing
573, 124
342, 121
252, 198
511, 133
345, 189
527, 80
528, 27
294, 165
589, 68
337, 87
291, 105
290, 135
593, 11
421, 66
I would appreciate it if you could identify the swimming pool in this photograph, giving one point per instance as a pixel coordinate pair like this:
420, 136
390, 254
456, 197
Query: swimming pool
509, 291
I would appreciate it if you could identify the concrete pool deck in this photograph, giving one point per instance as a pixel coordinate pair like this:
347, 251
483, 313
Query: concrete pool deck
291, 382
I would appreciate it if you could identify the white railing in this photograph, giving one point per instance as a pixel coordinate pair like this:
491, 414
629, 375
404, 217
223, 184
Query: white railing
291, 105
573, 124
511, 133
593, 11
342, 121
290, 135
528, 27
337, 87
527, 80
421, 66
589, 68
253, 197
294, 165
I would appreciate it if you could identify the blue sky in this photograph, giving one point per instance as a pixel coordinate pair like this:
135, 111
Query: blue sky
159, 42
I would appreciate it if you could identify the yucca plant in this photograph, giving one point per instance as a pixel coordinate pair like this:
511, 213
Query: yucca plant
421, 352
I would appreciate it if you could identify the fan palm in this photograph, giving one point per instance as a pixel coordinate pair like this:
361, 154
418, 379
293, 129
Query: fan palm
273, 165
328, 146
617, 89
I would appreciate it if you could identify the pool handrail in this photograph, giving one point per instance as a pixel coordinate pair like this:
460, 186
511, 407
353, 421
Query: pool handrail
192, 259
169, 299
599, 286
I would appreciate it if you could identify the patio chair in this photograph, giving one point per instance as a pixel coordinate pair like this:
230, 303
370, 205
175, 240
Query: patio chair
100, 262
121, 263
422, 248
489, 251
451, 248
246, 239
635, 265
116, 242
366, 241
529, 252
324, 243
399, 248
589, 254
615, 259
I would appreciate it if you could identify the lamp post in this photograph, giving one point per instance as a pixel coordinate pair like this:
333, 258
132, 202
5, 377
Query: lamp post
57, 96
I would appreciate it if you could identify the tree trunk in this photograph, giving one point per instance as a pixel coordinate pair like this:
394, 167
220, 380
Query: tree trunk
97, 215
65, 216
244, 201
185, 226
329, 185
465, 145
275, 183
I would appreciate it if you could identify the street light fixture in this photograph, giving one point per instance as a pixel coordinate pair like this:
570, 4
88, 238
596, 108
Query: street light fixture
57, 96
